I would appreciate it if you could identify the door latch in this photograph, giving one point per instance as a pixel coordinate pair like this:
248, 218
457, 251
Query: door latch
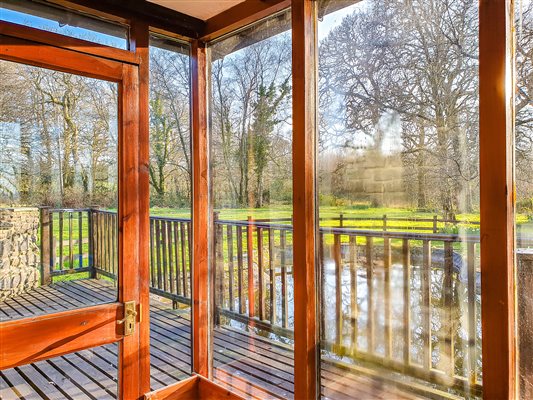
129, 318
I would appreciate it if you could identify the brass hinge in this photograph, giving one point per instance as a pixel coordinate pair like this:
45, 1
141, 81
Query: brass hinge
130, 313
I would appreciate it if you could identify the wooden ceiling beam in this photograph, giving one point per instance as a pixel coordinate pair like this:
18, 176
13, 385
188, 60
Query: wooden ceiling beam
241, 15
153, 14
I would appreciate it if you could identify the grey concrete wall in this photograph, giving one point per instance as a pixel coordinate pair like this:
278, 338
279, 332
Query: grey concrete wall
19, 253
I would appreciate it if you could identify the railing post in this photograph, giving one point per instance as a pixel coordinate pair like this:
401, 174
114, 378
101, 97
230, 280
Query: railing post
435, 222
45, 216
218, 263
341, 220
90, 232
250, 258
385, 223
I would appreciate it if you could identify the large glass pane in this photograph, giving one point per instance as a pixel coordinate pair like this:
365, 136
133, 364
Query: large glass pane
58, 191
251, 186
524, 192
64, 22
399, 199
170, 211
85, 375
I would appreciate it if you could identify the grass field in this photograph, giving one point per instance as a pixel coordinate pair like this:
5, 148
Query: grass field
329, 217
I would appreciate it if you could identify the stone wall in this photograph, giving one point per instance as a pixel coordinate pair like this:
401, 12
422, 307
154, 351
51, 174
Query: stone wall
372, 176
19, 253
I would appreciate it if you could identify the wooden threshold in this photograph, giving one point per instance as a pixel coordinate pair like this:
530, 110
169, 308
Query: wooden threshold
195, 387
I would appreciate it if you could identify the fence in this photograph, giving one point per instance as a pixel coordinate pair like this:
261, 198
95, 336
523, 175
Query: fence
408, 301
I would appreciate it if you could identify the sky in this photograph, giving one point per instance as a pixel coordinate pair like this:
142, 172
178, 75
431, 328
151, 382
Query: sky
56, 27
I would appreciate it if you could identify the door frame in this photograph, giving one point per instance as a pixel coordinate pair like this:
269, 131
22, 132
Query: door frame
87, 327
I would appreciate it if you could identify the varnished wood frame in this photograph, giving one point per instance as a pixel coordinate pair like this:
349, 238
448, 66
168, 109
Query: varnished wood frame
201, 321
140, 46
497, 190
240, 15
74, 330
304, 71
497, 202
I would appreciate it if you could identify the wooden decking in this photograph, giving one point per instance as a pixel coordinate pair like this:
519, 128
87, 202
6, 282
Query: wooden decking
252, 365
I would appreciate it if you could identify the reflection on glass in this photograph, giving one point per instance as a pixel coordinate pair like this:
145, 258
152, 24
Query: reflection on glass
524, 193
87, 374
398, 198
251, 186
170, 212
58, 191
64, 22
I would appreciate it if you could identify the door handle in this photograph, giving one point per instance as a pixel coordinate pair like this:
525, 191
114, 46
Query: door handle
130, 313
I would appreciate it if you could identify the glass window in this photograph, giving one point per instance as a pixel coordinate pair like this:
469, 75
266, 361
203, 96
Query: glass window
251, 199
524, 192
398, 182
64, 22
170, 211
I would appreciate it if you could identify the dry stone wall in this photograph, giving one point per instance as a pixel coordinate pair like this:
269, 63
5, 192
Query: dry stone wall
19, 252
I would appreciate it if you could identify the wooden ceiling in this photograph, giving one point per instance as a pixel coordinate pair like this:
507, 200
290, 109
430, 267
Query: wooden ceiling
201, 9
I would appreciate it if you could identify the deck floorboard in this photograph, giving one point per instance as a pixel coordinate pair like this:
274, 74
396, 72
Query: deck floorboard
253, 366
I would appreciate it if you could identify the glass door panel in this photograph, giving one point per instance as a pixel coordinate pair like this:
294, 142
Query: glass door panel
58, 191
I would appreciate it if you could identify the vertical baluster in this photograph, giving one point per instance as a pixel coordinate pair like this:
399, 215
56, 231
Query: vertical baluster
284, 297
189, 252
426, 305
231, 280
172, 285
109, 242
91, 234
260, 272
102, 241
370, 328
337, 258
114, 235
406, 252
471, 265
61, 240
152, 255
448, 303
105, 263
158, 253
219, 249
353, 293
387, 263
240, 277
164, 253
96, 246
272, 271
70, 242
183, 259
322, 285
52, 245
250, 259
80, 239
176, 257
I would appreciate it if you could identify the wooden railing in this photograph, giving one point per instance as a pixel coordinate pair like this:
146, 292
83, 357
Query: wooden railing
407, 301
388, 223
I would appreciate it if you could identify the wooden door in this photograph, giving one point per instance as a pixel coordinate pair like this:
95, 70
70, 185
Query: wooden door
51, 334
